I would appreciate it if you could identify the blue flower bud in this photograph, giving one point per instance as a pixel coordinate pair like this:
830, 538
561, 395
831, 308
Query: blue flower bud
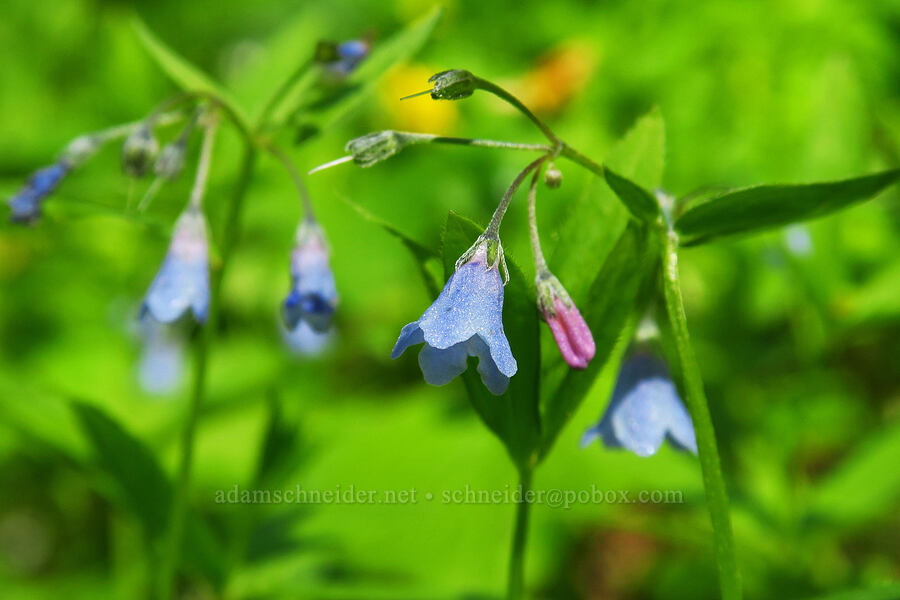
343, 58
466, 320
313, 296
305, 340
25, 206
452, 85
644, 410
138, 151
182, 282
552, 176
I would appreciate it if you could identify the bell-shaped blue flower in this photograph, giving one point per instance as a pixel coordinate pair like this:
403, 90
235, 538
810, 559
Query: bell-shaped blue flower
25, 206
182, 282
313, 295
305, 340
162, 358
466, 320
644, 410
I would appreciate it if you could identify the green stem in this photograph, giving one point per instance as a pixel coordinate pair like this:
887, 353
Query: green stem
713, 482
180, 501
576, 156
515, 586
279, 94
493, 88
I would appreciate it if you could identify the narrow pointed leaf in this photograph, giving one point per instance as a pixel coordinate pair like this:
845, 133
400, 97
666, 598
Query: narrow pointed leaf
762, 207
641, 203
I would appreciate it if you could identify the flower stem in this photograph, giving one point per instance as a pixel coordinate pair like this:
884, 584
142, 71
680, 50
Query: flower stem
713, 481
199, 189
576, 156
493, 88
180, 500
515, 586
540, 263
291, 168
493, 228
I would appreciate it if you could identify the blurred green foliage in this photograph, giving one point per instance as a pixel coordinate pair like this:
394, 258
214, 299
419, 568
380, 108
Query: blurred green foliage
797, 337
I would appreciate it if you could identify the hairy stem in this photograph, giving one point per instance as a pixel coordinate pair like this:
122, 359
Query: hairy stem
713, 481
493, 228
493, 88
540, 263
515, 586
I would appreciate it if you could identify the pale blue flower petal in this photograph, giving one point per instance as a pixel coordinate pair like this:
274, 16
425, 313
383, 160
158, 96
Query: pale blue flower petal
441, 366
410, 335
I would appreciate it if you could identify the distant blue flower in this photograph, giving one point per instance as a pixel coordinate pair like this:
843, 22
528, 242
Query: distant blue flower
305, 340
182, 282
313, 295
645, 409
350, 54
466, 320
162, 358
25, 206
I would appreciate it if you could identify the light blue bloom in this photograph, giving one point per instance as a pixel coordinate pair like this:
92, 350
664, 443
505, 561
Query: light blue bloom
162, 358
466, 320
313, 295
182, 282
645, 409
305, 340
350, 54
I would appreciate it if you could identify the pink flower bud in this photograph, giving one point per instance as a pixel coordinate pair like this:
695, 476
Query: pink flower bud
572, 334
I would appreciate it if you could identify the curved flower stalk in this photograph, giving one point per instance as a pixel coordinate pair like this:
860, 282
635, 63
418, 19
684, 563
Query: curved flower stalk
466, 320
645, 409
313, 295
571, 332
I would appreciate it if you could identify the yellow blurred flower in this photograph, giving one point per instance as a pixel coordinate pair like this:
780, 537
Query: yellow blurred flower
559, 75
416, 114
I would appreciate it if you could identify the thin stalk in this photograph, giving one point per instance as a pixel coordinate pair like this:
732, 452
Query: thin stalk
199, 189
713, 481
515, 586
482, 143
493, 228
540, 263
180, 502
493, 88
297, 178
576, 156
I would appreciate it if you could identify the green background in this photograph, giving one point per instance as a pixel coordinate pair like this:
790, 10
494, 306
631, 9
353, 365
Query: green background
799, 351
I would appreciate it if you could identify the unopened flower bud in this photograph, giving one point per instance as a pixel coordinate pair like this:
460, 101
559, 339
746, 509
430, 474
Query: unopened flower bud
452, 85
571, 332
80, 149
170, 161
375, 147
138, 151
552, 177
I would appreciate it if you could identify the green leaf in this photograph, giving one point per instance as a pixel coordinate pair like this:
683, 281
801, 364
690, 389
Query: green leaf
865, 485
884, 591
514, 417
639, 201
618, 291
183, 73
317, 116
766, 206
640, 154
139, 482
422, 253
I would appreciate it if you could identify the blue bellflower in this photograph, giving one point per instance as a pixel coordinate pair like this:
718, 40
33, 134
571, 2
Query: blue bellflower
25, 206
466, 320
162, 358
313, 295
182, 282
645, 409
305, 340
